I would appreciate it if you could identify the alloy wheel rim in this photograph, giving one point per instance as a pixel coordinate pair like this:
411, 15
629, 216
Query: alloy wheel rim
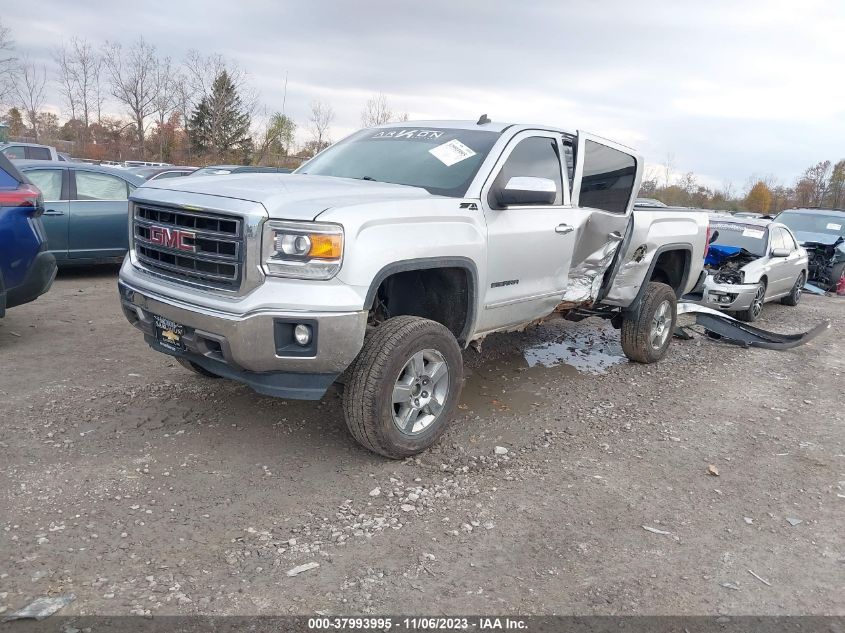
420, 392
757, 305
799, 286
660, 325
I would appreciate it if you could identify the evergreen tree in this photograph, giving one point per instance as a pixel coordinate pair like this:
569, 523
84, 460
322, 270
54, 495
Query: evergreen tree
219, 124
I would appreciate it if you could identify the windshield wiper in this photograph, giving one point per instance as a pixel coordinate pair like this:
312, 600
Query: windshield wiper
366, 178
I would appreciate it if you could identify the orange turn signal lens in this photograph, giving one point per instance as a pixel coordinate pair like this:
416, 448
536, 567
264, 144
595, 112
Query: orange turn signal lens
326, 246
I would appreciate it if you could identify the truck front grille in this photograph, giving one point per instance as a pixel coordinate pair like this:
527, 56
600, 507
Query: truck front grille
198, 247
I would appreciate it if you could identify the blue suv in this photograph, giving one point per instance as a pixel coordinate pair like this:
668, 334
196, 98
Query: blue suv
27, 270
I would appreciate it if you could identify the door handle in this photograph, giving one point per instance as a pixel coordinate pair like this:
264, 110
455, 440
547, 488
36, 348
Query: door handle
53, 212
563, 229
616, 236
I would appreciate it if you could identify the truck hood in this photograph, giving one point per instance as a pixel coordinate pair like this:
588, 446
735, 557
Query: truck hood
289, 196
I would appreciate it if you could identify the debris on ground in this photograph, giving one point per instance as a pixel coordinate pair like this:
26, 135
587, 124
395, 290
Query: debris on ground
500, 450
41, 608
749, 520
730, 585
793, 521
765, 582
375, 492
656, 531
711, 469
302, 568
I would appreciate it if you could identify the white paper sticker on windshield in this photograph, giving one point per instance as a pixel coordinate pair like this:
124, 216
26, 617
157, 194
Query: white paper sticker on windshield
834, 227
752, 233
452, 152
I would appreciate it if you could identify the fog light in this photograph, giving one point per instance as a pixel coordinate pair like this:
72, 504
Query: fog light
302, 334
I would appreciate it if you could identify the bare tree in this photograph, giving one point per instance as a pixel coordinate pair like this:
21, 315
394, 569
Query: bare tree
668, 168
66, 78
8, 63
132, 74
166, 98
376, 112
86, 64
28, 90
322, 115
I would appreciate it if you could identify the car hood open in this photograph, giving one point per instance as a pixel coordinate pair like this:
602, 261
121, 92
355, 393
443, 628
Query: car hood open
291, 196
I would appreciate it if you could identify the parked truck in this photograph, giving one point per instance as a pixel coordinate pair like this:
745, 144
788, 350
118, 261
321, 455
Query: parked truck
379, 259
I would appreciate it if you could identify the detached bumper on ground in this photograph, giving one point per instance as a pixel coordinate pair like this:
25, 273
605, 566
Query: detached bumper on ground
255, 348
37, 282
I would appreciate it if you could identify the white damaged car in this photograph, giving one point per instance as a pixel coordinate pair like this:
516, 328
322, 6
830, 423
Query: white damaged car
750, 262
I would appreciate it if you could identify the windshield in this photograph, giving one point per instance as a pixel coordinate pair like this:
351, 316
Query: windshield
741, 236
442, 161
211, 171
814, 223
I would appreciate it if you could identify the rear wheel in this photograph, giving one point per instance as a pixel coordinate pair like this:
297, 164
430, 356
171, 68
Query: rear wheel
756, 308
403, 386
794, 296
646, 338
197, 369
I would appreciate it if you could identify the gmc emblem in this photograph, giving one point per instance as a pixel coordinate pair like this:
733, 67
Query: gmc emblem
173, 238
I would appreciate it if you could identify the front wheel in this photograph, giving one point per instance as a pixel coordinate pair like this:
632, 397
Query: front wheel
794, 296
756, 308
403, 386
646, 338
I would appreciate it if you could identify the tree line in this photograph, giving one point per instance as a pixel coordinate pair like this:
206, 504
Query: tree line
199, 110
820, 185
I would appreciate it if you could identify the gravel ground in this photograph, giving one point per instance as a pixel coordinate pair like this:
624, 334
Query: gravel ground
143, 488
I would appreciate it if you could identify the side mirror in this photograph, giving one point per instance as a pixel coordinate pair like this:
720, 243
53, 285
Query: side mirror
780, 252
527, 190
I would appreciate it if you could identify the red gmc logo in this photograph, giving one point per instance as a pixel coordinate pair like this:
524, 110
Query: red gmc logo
173, 238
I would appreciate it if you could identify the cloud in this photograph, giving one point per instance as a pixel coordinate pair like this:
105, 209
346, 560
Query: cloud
728, 88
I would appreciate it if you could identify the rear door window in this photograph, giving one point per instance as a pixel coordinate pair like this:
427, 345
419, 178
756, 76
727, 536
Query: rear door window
96, 186
49, 181
608, 179
38, 153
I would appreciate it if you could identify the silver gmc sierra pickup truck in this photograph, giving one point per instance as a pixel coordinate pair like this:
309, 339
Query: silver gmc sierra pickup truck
382, 257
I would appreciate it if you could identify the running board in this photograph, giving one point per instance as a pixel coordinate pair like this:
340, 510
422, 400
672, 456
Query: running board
722, 327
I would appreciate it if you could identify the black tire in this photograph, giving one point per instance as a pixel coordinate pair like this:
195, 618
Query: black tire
835, 275
375, 374
638, 335
753, 313
794, 295
197, 369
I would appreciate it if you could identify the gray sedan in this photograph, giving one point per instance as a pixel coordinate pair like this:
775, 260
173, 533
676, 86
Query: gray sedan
751, 262
86, 209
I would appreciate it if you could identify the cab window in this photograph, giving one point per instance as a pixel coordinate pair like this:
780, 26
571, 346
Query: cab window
535, 156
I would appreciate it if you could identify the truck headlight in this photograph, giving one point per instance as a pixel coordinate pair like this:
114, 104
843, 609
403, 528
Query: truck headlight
302, 250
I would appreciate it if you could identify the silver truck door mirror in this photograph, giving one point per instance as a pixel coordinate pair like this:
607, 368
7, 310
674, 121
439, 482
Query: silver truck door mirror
780, 252
527, 190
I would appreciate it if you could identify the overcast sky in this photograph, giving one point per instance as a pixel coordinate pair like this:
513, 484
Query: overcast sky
730, 89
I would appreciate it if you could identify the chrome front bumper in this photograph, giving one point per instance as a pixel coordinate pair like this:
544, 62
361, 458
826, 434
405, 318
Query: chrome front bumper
247, 347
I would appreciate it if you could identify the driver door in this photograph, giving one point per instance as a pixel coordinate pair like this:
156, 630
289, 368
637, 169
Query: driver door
528, 246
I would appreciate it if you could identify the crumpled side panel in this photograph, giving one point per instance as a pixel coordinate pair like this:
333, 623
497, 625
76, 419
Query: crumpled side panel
585, 280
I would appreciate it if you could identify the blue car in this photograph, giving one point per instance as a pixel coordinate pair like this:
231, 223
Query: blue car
27, 269
86, 209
